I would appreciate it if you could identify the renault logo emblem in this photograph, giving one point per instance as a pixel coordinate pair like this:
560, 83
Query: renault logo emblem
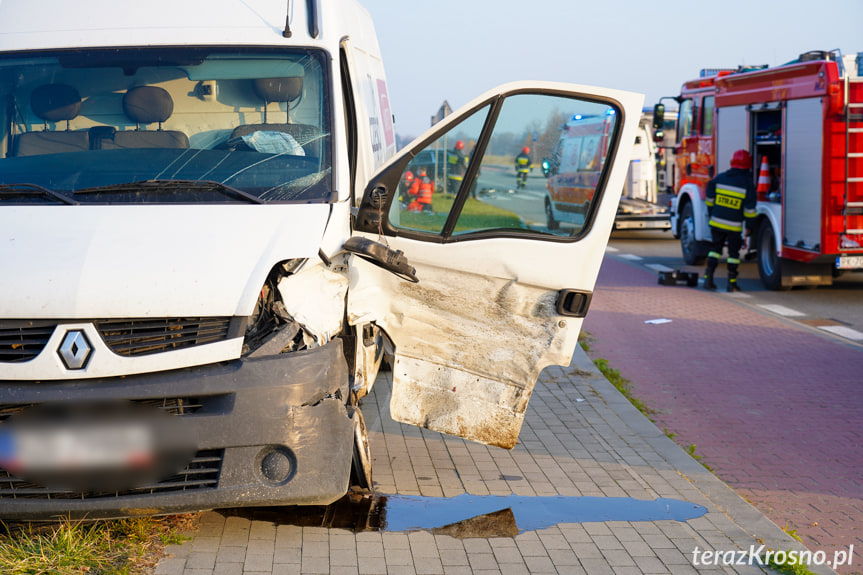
75, 350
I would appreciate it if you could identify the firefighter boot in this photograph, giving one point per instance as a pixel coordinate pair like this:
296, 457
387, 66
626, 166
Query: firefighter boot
708, 279
712, 264
732, 286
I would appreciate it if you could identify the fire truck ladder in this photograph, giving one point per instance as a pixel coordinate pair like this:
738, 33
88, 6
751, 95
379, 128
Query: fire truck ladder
853, 114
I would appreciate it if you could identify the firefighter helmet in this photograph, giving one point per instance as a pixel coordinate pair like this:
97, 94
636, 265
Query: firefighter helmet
525, 150
741, 159
459, 145
409, 176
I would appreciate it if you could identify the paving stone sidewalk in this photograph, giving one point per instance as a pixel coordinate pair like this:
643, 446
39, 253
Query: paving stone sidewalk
581, 438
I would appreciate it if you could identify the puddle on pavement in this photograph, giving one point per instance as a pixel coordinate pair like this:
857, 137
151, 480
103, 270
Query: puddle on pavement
468, 516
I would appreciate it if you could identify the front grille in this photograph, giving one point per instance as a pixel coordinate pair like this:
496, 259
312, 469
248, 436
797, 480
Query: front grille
133, 337
201, 473
24, 341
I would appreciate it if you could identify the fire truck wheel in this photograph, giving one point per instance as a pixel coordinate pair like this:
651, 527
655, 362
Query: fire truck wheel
693, 252
550, 222
769, 263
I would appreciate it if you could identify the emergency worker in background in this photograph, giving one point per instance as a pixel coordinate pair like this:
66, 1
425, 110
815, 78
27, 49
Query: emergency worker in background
422, 191
457, 167
522, 167
405, 187
730, 202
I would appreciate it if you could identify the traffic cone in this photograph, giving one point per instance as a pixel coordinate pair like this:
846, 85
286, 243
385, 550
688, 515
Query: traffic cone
763, 179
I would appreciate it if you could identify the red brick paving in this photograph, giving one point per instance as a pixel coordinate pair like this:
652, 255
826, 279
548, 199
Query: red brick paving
775, 410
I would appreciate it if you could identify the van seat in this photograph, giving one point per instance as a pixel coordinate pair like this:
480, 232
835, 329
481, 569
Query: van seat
147, 105
53, 103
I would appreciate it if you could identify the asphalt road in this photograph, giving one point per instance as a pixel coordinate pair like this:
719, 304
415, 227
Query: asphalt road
837, 309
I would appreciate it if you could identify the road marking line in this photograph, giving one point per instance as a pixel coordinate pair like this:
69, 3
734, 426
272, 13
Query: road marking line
631, 257
843, 331
782, 310
659, 267
611, 249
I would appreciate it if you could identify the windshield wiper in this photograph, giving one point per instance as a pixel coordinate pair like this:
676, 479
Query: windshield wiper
32, 190
171, 187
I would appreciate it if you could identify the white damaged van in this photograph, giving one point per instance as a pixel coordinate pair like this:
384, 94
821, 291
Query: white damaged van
208, 243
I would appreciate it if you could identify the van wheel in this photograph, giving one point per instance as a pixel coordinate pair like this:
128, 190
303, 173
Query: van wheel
692, 249
361, 464
769, 263
550, 222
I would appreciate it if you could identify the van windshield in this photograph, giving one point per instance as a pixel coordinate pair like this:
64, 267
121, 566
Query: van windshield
157, 125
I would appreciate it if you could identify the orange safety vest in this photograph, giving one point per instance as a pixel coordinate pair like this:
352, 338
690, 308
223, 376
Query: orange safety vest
425, 192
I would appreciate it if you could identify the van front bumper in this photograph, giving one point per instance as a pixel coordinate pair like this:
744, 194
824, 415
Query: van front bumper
268, 431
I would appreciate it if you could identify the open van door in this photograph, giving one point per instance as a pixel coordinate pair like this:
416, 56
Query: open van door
476, 290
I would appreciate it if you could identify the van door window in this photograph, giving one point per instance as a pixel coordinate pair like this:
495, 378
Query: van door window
457, 186
432, 179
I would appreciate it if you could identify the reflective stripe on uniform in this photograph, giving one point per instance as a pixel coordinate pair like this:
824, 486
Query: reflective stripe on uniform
729, 225
730, 191
714, 255
733, 260
750, 213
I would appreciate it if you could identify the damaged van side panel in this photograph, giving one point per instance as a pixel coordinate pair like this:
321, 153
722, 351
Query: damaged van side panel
469, 349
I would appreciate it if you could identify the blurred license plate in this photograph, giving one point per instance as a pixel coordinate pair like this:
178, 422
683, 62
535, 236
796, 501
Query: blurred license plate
849, 262
79, 447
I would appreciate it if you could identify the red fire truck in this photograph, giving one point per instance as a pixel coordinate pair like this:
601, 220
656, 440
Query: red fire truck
802, 122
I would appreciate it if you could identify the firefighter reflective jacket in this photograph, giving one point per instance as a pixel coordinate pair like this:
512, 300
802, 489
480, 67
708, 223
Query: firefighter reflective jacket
731, 198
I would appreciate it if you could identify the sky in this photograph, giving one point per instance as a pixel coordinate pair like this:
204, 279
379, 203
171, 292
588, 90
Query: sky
454, 50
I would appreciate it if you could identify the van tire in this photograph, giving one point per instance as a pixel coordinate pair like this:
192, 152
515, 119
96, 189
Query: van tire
361, 462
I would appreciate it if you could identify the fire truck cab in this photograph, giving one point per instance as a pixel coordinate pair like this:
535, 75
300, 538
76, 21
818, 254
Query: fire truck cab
802, 122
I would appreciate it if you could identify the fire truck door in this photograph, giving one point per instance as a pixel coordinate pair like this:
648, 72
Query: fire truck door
802, 195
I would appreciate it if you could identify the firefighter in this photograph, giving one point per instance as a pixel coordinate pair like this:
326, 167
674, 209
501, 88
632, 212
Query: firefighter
730, 201
421, 192
522, 167
406, 186
457, 167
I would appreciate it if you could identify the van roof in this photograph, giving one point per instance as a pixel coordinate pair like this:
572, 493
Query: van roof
96, 23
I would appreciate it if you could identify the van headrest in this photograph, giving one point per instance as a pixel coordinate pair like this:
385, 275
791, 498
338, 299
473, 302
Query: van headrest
148, 104
278, 89
55, 102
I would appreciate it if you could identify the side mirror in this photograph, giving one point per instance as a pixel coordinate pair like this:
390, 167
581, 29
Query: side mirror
658, 116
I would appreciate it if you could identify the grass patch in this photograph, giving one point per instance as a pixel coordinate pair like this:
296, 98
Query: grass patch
621, 384
124, 547
476, 215
691, 451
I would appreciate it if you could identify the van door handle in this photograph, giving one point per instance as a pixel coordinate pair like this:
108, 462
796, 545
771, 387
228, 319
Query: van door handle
573, 303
